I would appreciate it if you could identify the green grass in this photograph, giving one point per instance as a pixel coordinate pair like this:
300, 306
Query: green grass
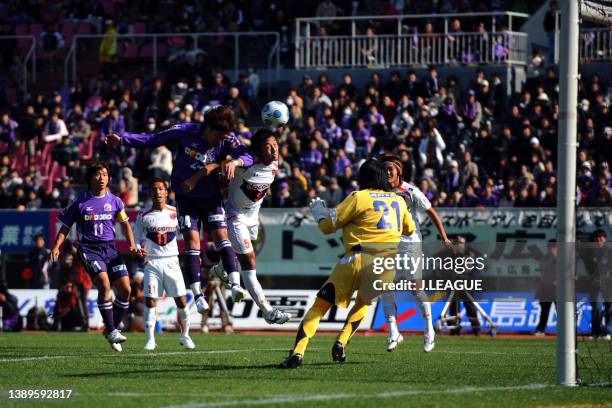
239, 370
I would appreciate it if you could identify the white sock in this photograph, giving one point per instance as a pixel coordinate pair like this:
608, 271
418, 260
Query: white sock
390, 309
254, 287
234, 278
184, 321
195, 288
150, 317
425, 309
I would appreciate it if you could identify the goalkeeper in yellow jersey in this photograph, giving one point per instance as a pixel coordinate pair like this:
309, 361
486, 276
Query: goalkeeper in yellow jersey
372, 221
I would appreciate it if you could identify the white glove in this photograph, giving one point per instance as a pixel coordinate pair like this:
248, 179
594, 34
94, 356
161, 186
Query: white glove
319, 209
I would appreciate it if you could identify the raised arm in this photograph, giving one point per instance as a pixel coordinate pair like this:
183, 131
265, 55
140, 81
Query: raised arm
166, 137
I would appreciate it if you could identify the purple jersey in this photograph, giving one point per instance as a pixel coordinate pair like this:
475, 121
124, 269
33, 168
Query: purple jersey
94, 216
192, 153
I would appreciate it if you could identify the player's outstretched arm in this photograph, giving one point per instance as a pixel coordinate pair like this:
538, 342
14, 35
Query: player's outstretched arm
59, 240
435, 218
166, 137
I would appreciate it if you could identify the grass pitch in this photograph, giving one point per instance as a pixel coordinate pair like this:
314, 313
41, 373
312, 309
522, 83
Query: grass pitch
240, 370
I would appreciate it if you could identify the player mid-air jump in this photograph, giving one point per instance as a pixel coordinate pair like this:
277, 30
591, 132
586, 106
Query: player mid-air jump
199, 148
246, 192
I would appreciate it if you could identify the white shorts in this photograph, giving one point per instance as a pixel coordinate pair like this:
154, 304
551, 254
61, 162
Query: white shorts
241, 235
412, 250
163, 274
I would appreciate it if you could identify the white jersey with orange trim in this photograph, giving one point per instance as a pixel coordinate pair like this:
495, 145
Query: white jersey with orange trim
156, 230
247, 190
416, 201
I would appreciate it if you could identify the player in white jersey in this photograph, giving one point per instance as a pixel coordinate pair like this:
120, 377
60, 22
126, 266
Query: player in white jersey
411, 245
245, 194
155, 235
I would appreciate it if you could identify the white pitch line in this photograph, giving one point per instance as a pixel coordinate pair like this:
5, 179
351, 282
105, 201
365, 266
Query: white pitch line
289, 399
139, 355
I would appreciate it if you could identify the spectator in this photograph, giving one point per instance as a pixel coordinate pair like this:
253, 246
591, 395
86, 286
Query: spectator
333, 194
51, 42
38, 263
55, 129
8, 129
131, 184
65, 153
550, 25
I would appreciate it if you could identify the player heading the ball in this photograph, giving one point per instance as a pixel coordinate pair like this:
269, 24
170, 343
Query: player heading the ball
200, 148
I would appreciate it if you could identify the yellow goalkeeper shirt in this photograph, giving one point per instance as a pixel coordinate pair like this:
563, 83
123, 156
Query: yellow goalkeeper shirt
369, 216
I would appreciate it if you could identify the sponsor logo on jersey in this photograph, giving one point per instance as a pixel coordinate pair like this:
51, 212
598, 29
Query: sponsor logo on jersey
173, 216
97, 217
107, 207
195, 155
88, 208
161, 229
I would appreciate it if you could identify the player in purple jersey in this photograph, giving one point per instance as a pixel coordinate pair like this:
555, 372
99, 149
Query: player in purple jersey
95, 213
200, 148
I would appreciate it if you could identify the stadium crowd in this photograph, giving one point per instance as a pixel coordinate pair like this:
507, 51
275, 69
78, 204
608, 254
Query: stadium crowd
473, 148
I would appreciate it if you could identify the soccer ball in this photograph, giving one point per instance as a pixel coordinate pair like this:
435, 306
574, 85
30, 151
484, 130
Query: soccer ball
275, 114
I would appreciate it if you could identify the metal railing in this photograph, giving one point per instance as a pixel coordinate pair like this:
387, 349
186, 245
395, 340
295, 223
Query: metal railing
28, 62
418, 49
595, 44
399, 41
245, 48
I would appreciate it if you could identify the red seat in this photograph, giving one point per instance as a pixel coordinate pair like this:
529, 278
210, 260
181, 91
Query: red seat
84, 29
131, 51
68, 31
139, 28
22, 29
57, 172
86, 149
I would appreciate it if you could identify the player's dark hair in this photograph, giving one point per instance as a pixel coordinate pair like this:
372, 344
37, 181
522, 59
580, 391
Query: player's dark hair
93, 169
260, 137
220, 118
396, 161
158, 180
373, 176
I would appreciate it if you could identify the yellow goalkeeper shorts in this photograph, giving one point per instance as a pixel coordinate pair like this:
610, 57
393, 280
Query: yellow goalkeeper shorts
354, 272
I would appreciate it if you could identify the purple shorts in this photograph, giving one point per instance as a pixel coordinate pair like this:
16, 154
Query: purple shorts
102, 257
197, 212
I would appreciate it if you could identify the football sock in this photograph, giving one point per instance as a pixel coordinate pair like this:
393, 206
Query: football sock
254, 287
228, 258
390, 310
353, 320
193, 266
184, 321
150, 316
106, 311
425, 309
309, 325
120, 307
234, 278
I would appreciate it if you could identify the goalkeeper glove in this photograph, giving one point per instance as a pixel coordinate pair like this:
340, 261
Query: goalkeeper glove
318, 209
